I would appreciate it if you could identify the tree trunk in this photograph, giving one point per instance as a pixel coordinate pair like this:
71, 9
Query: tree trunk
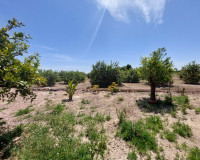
70, 97
153, 92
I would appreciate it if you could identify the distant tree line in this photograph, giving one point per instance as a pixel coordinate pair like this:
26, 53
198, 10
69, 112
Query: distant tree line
62, 76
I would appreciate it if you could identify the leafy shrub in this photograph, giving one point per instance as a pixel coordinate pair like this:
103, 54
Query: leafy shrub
103, 74
113, 88
182, 129
194, 154
76, 76
129, 76
50, 76
71, 88
191, 73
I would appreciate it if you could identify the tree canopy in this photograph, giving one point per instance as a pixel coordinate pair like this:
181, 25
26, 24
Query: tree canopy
157, 70
191, 73
17, 77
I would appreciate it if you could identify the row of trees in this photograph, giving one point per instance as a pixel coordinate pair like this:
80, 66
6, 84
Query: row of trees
155, 69
17, 77
62, 76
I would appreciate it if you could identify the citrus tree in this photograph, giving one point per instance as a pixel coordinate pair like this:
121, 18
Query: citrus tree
156, 70
17, 77
191, 73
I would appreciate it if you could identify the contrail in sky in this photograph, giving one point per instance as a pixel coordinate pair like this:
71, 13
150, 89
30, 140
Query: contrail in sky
96, 31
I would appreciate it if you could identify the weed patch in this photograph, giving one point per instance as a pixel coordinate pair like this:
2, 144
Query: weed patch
23, 111
197, 110
182, 129
132, 156
170, 136
85, 101
138, 134
194, 154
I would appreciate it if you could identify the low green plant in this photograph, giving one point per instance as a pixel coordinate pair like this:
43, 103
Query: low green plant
107, 95
170, 136
138, 134
58, 109
197, 110
23, 111
7, 141
113, 87
71, 88
96, 88
184, 146
121, 114
85, 101
182, 129
183, 101
154, 123
194, 154
3, 109
120, 99
99, 117
108, 117
132, 156
173, 112
56, 140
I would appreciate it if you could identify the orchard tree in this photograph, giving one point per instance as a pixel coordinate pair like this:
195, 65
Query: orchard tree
17, 77
156, 70
191, 73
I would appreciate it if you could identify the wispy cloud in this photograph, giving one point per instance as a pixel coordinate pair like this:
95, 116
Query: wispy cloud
151, 10
44, 47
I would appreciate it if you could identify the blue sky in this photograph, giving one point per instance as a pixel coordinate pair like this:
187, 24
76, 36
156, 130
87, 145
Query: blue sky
74, 34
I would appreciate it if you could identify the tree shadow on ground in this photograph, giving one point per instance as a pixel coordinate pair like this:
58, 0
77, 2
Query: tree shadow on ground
7, 139
160, 107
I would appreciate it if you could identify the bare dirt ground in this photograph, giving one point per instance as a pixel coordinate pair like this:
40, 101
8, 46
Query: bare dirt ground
118, 149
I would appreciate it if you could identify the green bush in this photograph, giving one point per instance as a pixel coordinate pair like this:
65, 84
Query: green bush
191, 73
103, 74
51, 77
129, 76
76, 76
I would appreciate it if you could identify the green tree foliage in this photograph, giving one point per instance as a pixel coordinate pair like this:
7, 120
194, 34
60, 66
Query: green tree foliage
17, 77
191, 73
51, 77
129, 76
127, 67
76, 76
103, 74
157, 70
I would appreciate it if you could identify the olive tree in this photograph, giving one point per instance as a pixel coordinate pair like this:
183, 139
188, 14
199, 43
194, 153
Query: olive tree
17, 77
157, 70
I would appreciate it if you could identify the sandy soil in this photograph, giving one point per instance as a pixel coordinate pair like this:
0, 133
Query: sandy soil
117, 148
